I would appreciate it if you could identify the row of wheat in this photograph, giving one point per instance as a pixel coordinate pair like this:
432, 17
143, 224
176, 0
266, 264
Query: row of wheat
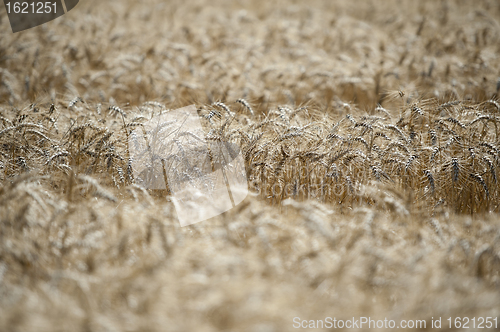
437, 154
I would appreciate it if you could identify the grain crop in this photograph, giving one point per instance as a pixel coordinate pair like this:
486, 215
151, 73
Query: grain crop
369, 133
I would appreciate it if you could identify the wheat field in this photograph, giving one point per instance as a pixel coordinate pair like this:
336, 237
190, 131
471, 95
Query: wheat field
369, 132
